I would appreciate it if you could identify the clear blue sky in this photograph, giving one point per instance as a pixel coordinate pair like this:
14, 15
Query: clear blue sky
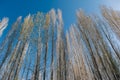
14, 8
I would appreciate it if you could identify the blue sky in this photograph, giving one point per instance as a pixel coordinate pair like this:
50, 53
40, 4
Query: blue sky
15, 8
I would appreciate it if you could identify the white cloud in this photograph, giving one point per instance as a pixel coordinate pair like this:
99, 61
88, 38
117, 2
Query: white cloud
3, 25
115, 4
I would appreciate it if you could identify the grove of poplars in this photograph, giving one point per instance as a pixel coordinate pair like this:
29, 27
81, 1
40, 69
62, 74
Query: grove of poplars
38, 48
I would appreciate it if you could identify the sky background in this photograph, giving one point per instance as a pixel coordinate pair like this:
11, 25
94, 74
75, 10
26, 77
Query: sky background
15, 8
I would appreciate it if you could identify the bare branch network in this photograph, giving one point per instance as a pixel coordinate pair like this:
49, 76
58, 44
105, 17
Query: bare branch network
38, 48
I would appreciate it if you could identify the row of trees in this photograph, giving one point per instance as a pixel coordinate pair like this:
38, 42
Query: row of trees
38, 48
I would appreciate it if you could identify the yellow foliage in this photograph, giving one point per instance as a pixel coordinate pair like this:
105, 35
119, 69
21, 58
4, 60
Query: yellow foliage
47, 20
